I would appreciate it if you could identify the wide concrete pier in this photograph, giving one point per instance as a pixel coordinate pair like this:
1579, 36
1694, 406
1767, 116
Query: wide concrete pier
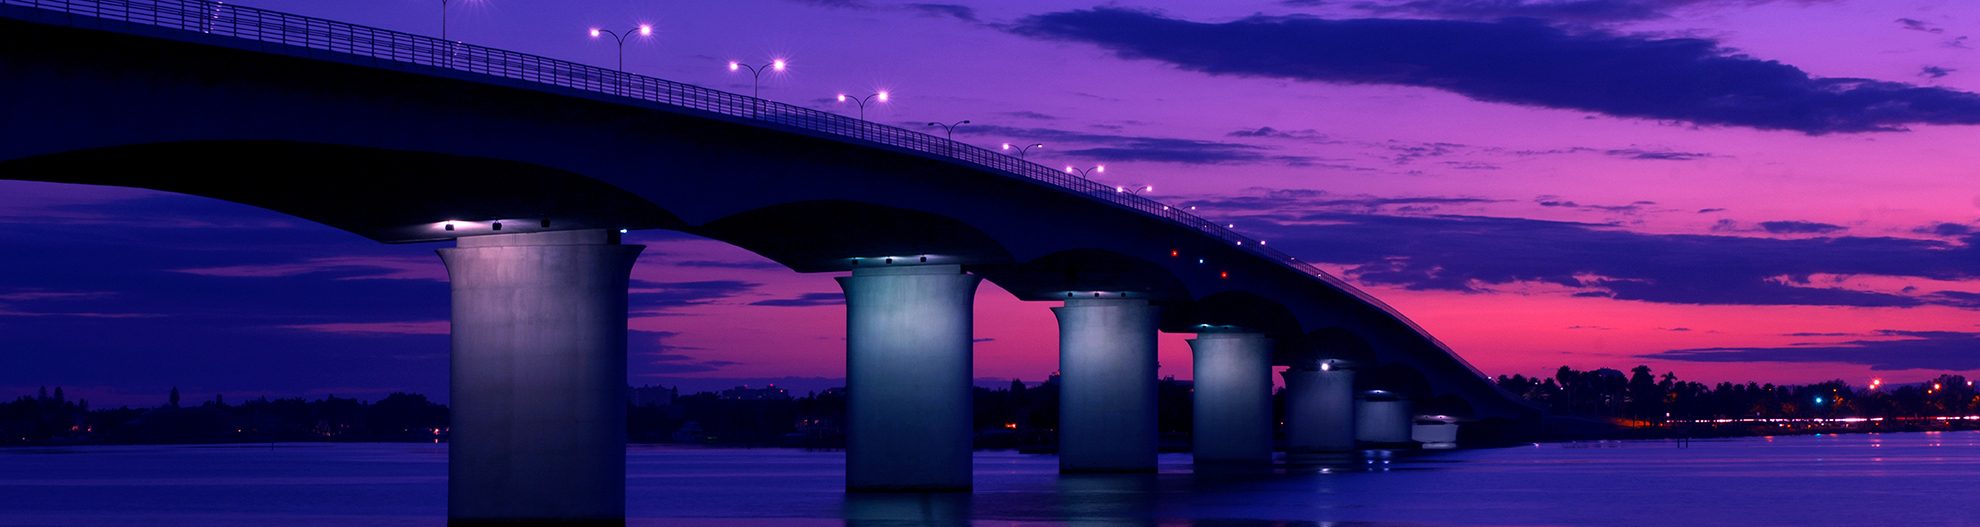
1233, 398
1107, 413
1319, 407
539, 376
908, 394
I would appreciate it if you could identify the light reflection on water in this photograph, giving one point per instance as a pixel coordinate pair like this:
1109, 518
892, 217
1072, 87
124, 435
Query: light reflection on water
1856, 480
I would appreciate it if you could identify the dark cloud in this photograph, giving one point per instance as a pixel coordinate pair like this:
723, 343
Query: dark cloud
1028, 114
1935, 72
1956, 299
1799, 227
1268, 132
1633, 152
1710, 210
959, 12
1631, 208
1120, 148
1521, 62
724, 264
1919, 25
1945, 229
805, 300
1560, 10
1894, 350
1318, 199
655, 298
1474, 253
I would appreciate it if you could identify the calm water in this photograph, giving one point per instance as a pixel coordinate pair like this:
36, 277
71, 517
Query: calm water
1854, 480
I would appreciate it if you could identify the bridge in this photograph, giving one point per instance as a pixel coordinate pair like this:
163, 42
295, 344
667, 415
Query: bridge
532, 167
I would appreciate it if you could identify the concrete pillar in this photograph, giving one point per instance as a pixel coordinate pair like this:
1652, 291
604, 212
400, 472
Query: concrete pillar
1107, 414
1319, 408
539, 377
1233, 398
1383, 418
908, 338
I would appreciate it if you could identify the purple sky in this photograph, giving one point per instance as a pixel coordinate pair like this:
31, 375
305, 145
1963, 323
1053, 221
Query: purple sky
1779, 191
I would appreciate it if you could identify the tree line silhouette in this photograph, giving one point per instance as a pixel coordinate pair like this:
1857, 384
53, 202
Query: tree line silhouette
1643, 395
1019, 416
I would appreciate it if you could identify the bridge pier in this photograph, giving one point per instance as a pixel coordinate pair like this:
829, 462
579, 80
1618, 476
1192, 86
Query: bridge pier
538, 379
1319, 407
1382, 418
1107, 413
1233, 398
908, 390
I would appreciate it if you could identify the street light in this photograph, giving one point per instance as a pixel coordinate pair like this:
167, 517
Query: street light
645, 30
1022, 149
1134, 190
876, 97
951, 128
1086, 173
756, 72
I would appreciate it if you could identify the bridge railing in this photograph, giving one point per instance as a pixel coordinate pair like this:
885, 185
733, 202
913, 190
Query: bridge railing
274, 27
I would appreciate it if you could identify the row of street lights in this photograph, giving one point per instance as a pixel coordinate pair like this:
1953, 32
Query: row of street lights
778, 65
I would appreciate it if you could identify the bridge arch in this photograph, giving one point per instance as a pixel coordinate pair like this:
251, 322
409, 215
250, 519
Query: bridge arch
385, 195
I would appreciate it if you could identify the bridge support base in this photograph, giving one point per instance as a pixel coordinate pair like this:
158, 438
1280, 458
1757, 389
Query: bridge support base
1233, 398
539, 376
1382, 419
1319, 409
908, 390
1107, 414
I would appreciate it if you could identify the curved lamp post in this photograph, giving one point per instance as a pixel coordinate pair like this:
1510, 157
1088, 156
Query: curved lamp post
1086, 173
756, 80
1021, 150
756, 73
644, 30
951, 129
881, 96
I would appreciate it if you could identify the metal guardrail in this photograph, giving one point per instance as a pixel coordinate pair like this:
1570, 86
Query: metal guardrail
261, 25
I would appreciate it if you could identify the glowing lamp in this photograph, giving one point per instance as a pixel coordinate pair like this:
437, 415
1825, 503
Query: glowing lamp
733, 66
645, 30
1007, 146
883, 96
594, 32
1101, 169
842, 97
777, 64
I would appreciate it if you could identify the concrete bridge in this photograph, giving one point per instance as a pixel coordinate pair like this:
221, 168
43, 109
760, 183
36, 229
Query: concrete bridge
533, 166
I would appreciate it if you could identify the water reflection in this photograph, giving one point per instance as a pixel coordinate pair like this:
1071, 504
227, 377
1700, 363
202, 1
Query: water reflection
877, 509
1788, 480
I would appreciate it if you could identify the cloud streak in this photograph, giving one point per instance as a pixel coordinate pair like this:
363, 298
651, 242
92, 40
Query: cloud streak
1898, 350
1427, 250
1523, 62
